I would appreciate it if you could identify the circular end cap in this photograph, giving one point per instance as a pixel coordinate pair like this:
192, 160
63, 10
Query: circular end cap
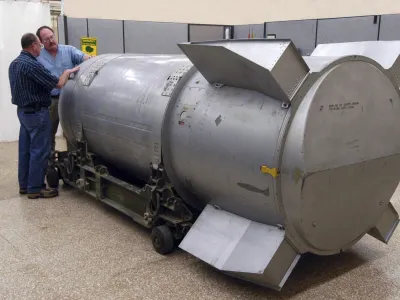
341, 160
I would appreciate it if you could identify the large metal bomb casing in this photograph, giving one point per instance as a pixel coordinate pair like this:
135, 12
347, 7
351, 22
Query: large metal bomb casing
284, 155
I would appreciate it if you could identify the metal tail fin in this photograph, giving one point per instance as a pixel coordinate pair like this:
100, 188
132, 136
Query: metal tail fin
274, 68
241, 248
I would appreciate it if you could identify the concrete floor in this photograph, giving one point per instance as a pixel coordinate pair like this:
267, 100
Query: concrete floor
74, 247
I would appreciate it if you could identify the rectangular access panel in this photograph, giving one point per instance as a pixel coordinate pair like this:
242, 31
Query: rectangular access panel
302, 33
390, 28
354, 29
244, 31
109, 34
154, 37
76, 28
201, 33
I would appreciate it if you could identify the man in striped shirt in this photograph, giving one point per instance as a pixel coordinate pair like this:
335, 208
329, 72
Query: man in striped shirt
31, 85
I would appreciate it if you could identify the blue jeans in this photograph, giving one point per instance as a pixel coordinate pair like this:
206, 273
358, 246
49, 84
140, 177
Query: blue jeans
34, 149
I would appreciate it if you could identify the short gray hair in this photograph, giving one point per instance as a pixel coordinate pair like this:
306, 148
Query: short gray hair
28, 39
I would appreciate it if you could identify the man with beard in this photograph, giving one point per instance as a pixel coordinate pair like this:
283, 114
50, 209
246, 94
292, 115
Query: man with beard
57, 58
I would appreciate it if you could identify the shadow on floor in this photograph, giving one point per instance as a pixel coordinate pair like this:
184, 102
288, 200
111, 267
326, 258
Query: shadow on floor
311, 271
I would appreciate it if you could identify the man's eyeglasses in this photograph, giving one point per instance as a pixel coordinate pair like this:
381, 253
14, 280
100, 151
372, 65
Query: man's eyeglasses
46, 40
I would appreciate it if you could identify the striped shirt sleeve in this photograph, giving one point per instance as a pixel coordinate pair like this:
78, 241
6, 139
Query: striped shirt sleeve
42, 76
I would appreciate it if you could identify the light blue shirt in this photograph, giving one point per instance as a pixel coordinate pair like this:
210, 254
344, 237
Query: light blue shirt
67, 58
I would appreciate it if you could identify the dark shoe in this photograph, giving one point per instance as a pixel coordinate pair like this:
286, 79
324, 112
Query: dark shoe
44, 193
23, 191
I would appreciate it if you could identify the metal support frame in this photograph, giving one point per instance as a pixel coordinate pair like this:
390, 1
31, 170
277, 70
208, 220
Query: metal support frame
153, 204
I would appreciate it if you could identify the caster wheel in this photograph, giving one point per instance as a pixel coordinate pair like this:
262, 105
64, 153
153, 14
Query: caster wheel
162, 239
52, 177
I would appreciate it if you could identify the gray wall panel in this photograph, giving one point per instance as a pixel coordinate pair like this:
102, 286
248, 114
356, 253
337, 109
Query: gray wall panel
390, 28
347, 30
77, 28
154, 38
242, 31
302, 33
109, 34
61, 30
200, 33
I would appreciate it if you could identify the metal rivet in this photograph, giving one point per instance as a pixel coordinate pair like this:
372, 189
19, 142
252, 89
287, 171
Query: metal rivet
285, 105
314, 224
381, 203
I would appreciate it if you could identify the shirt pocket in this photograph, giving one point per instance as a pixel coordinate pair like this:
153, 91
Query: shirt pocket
65, 65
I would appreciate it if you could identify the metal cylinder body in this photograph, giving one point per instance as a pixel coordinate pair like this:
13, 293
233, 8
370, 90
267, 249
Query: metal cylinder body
215, 141
116, 101
214, 138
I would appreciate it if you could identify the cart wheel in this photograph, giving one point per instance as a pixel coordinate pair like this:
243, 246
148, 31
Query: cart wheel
52, 177
162, 239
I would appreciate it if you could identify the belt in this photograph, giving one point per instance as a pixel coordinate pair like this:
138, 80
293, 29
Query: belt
33, 107
56, 96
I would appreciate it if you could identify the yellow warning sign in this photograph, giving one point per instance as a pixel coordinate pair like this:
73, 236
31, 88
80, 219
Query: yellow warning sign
89, 45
